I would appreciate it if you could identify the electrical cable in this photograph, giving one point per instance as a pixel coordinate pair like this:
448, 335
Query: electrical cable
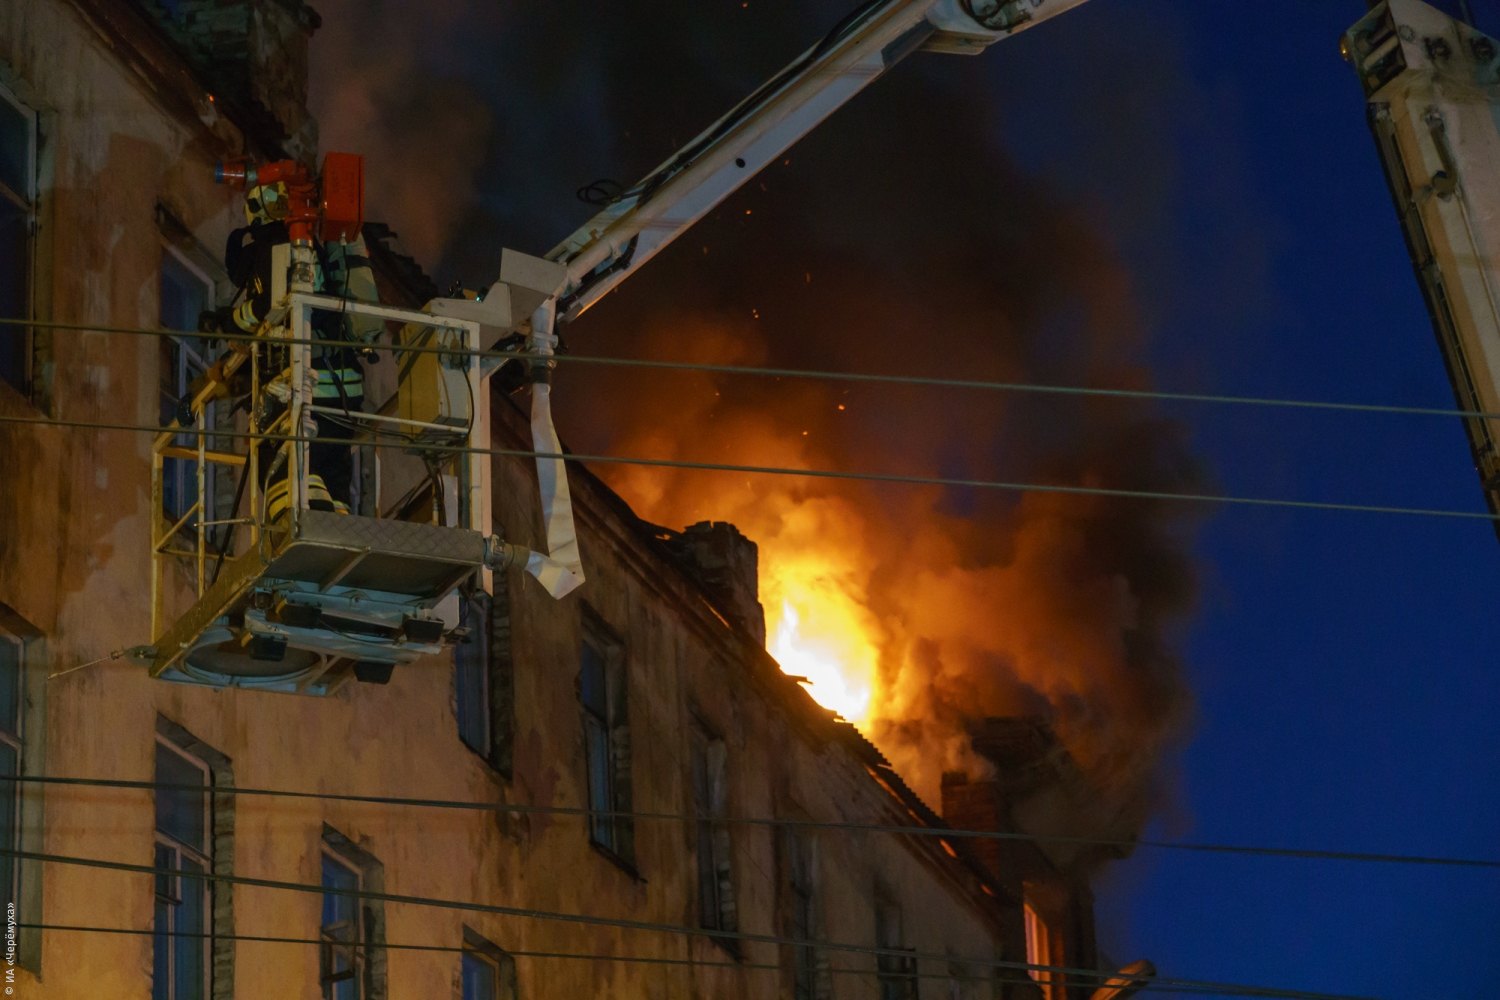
927, 381
397, 946
626, 923
601, 192
997, 976
813, 473
942, 833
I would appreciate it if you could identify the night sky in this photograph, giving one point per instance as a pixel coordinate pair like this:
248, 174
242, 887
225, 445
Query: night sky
1215, 160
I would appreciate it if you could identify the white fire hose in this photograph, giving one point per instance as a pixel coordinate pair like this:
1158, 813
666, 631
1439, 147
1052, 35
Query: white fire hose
559, 570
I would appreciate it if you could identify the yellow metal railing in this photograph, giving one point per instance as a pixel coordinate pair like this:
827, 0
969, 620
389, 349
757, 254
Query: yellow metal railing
187, 538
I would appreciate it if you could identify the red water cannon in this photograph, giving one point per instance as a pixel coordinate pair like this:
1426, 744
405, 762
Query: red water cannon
331, 204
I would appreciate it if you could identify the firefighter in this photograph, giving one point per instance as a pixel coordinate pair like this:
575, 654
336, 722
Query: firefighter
343, 271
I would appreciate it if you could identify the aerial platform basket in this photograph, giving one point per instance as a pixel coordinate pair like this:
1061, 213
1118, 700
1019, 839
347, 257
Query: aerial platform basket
312, 598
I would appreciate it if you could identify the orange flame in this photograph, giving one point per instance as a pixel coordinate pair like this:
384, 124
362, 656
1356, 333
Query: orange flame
820, 632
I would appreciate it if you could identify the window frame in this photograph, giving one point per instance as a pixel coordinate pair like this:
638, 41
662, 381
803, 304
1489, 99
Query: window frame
369, 917
484, 662
800, 884
481, 949
181, 851
328, 980
474, 955
897, 974
13, 735
1041, 944
472, 656
606, 730
189, 358
28, 800
29, 203
713, 846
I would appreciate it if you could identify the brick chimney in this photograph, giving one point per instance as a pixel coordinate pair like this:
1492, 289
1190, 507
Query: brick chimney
1026, 758
252, 55
970, 804
726, 564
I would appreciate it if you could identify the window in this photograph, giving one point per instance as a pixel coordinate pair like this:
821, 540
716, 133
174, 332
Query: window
800, 867
487, 972
18, 142
716, 902
193, 947
484, 678
12, 660
1040, 946
351, 963
341, 930
606, 737
23, 692
897, 970
183, 898
185, 291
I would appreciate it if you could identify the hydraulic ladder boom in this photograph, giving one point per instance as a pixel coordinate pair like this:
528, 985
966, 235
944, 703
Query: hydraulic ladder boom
859, 50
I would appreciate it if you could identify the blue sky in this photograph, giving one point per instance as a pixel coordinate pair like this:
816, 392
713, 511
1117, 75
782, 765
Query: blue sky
1341, 663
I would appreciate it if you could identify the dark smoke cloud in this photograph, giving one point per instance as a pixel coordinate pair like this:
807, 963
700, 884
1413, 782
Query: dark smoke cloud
896, 238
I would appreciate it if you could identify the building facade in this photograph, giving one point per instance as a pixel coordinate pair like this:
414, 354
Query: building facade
183, 842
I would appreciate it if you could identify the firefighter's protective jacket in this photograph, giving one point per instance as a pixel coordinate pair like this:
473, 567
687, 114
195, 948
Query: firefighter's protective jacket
343, 271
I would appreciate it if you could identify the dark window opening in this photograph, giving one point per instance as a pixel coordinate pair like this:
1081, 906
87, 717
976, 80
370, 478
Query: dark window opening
18, 142
896, 963
801, 927
606, 737
484, 684
716, 896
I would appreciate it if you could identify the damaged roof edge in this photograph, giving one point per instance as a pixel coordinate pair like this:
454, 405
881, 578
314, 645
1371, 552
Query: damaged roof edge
819, 722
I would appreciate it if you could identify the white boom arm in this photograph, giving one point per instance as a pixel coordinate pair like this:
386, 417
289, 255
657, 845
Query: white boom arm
872, 39
650, 215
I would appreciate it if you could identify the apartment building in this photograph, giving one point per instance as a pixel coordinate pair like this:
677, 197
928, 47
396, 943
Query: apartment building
655, 809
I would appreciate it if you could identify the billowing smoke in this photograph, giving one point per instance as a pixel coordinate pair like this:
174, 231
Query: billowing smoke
897, 238
382, 87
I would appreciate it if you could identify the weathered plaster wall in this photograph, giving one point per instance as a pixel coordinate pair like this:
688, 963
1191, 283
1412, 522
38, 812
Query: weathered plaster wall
73, 536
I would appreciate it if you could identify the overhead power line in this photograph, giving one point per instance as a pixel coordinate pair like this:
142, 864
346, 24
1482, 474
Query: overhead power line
774, 470
392, 945
996, 976
942, 833
761, 371
625, 923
